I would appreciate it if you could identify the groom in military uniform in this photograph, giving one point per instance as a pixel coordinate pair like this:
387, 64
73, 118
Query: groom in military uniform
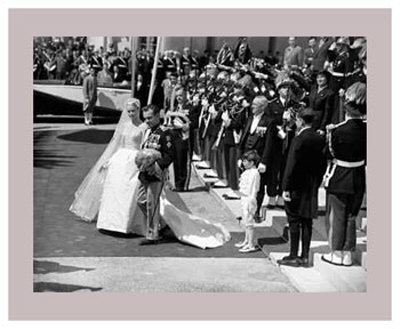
151, 183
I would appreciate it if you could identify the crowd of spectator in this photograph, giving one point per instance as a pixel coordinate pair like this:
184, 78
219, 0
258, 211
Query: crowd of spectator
238, 103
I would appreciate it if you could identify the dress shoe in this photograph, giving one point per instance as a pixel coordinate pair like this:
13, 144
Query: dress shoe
289, 261
258, 219
334, 258
248, 248
289, 257
347, 259
304, 262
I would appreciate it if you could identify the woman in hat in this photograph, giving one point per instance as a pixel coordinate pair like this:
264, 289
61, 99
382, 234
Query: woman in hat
322, 101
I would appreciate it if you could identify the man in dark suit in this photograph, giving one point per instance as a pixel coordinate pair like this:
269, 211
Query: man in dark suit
321, 54
254, 138
234, 119
309, 51
346, 179
89, 89
302, 177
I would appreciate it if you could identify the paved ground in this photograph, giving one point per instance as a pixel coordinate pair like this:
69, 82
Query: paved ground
71, 255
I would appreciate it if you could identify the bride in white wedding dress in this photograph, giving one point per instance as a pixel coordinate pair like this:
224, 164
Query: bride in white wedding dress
110, 191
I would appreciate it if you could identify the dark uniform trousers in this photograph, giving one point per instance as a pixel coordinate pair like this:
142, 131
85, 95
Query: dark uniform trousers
231, 147
182, 161
274, 147
217, 160
232, 171
184, 143
194, 140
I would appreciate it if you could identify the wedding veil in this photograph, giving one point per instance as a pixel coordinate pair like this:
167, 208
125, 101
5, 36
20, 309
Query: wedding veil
88, 195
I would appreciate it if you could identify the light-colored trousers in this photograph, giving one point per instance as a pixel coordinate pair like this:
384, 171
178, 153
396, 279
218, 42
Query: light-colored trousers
149, 202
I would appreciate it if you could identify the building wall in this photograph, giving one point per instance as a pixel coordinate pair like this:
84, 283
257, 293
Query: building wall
256, 44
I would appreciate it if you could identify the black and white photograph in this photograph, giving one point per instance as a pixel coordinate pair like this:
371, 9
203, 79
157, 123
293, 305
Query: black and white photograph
200, 164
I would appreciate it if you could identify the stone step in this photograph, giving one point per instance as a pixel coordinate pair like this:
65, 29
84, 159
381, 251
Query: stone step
364, 260
304, 279
359, 256
344, 278
323, 277
364, 224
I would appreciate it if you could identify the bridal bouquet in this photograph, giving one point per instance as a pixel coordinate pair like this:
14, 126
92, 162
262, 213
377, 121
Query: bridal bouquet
146, 161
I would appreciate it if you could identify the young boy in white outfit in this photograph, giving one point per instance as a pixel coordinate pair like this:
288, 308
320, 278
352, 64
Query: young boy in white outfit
249, 184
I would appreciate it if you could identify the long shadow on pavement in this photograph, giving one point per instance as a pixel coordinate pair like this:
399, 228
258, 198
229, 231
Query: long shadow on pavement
92, 136
60, 287
48, 157
44, 267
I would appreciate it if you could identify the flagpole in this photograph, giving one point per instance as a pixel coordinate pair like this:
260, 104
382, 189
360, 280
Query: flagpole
133, 60
154, 73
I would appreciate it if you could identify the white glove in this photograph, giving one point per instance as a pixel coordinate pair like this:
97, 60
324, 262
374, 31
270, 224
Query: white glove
262, 168
239, 163
286, 115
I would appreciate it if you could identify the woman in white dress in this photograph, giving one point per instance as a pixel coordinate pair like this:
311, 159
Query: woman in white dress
118, 210
109, 190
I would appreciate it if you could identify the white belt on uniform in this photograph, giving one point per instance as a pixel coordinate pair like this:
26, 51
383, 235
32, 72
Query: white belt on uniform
347, 164
330, 170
